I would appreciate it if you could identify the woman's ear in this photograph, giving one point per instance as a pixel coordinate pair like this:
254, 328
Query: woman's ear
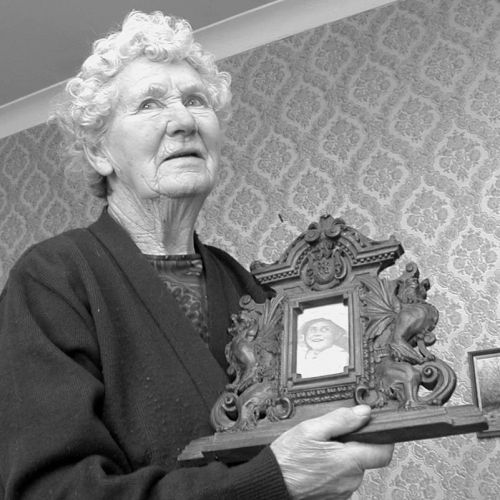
98, 160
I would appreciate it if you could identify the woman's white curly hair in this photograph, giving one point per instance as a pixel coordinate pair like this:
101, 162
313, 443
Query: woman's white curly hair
89, 99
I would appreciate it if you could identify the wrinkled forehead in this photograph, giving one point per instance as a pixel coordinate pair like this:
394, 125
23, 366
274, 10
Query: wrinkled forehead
143, 77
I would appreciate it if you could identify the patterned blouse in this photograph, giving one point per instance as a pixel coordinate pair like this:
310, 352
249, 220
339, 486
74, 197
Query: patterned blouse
183, 276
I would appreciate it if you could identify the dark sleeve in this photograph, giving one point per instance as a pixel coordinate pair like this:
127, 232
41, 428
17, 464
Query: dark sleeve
53, 440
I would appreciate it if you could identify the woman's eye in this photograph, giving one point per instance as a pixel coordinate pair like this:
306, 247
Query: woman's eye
148, 104
196, 101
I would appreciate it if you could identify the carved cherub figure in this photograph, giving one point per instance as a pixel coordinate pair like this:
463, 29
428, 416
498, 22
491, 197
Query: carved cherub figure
252, 355
413, 322
240, 352
398, 326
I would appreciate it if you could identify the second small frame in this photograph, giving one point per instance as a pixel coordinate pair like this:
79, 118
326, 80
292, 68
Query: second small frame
485, 376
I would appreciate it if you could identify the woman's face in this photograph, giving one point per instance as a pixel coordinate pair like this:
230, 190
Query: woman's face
320, 336
163, 137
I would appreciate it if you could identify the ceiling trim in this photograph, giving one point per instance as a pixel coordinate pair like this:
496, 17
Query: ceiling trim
266, 24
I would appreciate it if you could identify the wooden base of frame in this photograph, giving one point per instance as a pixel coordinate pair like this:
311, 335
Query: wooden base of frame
384, 427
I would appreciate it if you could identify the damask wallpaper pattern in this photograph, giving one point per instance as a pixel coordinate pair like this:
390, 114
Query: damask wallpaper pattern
389, 119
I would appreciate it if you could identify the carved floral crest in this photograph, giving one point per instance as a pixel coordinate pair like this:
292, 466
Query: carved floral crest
326, 264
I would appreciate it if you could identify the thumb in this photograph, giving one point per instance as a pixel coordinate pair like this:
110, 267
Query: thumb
336, 423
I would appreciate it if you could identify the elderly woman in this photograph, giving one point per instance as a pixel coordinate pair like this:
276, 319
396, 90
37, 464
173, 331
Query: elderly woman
112, 337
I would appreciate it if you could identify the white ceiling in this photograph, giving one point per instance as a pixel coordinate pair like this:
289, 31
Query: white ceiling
43, 42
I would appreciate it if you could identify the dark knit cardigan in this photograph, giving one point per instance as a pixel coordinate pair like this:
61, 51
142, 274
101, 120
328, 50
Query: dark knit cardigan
103, 380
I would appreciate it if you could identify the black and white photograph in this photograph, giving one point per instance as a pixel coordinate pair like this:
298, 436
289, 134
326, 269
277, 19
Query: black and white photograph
322, 340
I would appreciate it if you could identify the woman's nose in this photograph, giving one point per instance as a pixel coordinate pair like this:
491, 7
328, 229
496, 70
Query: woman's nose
181, 121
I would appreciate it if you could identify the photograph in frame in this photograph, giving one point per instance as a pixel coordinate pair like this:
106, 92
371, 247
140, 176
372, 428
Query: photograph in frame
485, 377
322, 341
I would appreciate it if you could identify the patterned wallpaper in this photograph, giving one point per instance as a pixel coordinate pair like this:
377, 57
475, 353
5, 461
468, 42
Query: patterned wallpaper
389, 119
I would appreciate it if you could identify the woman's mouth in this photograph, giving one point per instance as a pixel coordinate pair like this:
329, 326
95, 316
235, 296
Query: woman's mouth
184, 153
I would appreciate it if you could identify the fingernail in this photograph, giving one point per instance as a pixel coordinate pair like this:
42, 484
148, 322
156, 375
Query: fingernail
361, 410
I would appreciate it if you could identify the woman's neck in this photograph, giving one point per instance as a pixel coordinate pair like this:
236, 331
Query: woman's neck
159, 226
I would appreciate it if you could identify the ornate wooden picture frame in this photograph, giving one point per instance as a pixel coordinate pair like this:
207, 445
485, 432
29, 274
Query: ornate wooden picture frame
485, 376
335, 334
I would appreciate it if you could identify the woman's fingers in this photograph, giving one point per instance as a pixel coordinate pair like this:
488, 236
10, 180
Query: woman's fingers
336, 423
316, 466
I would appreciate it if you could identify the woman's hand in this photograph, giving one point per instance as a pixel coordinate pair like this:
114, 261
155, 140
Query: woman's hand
315, 467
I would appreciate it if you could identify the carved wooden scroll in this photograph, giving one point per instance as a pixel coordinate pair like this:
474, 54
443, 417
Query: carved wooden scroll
336, 334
